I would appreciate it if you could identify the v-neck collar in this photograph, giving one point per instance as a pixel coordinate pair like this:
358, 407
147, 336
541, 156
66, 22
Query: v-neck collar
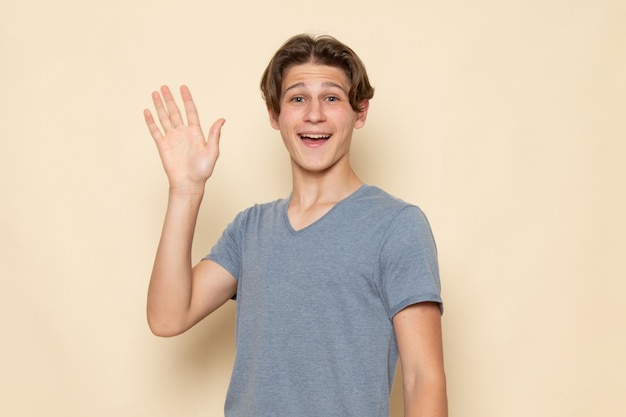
295, 232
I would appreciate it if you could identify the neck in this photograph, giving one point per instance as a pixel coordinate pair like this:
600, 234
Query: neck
312, 189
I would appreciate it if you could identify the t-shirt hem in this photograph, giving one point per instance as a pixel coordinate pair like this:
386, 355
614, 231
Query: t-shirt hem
435, 298
210, 257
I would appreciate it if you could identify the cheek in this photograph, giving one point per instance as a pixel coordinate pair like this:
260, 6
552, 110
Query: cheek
287, 121
344, 116
347, 122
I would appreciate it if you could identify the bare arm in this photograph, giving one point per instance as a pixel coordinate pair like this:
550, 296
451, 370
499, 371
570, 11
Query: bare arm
418, 332
178, 295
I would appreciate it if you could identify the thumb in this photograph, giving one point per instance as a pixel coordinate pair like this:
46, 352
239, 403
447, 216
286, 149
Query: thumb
213, 140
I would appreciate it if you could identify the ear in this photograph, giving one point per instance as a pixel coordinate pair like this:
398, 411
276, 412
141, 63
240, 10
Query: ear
361, 116
273, 119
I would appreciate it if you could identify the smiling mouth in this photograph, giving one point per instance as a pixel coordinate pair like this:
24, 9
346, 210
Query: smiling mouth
312, 137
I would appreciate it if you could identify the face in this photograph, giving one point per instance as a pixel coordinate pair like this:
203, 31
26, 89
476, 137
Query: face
316, 119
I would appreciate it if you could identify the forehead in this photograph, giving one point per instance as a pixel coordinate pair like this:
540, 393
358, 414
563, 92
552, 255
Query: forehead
310, 74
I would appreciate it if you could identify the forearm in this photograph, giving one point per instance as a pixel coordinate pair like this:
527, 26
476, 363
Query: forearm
170, 289
426, 397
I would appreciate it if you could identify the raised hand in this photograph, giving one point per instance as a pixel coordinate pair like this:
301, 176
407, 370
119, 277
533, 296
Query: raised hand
188, 158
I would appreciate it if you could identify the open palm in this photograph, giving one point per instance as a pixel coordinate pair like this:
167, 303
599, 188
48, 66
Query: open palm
188, 158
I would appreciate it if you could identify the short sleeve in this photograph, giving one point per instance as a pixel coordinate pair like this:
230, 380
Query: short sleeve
409, 270
227, 250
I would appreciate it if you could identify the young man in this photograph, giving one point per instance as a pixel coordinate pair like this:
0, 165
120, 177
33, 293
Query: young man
332, 283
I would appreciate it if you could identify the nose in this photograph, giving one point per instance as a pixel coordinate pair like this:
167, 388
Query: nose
315, 112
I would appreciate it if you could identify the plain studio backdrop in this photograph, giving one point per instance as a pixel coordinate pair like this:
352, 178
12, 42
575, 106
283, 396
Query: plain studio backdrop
503, 120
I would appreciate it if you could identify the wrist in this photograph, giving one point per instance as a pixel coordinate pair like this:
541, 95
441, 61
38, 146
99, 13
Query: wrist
190, 190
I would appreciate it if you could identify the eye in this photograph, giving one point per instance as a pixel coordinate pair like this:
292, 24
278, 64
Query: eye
297, 99
332, 98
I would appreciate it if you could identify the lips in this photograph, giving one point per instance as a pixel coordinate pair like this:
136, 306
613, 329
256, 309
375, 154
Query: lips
314, 136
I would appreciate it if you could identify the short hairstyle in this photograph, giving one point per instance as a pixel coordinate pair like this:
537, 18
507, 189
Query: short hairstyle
323, 50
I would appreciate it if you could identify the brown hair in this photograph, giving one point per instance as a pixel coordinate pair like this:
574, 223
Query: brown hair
323, 50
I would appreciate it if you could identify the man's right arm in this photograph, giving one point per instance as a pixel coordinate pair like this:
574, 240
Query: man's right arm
178, 295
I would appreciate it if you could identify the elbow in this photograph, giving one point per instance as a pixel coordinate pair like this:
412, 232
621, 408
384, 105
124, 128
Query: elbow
164, 327
432, 381
162, 332
426, 395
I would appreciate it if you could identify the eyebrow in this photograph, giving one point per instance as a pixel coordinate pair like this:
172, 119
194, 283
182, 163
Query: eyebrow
324, 84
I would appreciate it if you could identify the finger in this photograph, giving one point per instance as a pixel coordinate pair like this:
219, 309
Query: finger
152, 126
163, 115
215, 133
172, 109
190, 107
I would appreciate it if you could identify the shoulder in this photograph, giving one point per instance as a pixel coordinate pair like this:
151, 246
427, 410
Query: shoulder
373, 196
259, 212
262, 208
380, 205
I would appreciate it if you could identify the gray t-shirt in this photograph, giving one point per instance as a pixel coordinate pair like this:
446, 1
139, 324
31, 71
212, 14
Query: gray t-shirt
315, 306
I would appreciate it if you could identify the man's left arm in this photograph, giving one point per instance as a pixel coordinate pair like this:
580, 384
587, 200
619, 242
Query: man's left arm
418, 333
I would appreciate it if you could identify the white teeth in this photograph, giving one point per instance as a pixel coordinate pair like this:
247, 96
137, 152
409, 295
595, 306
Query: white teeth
315, 136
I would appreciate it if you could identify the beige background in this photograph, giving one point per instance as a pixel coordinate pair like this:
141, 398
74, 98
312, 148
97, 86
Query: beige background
503, 120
